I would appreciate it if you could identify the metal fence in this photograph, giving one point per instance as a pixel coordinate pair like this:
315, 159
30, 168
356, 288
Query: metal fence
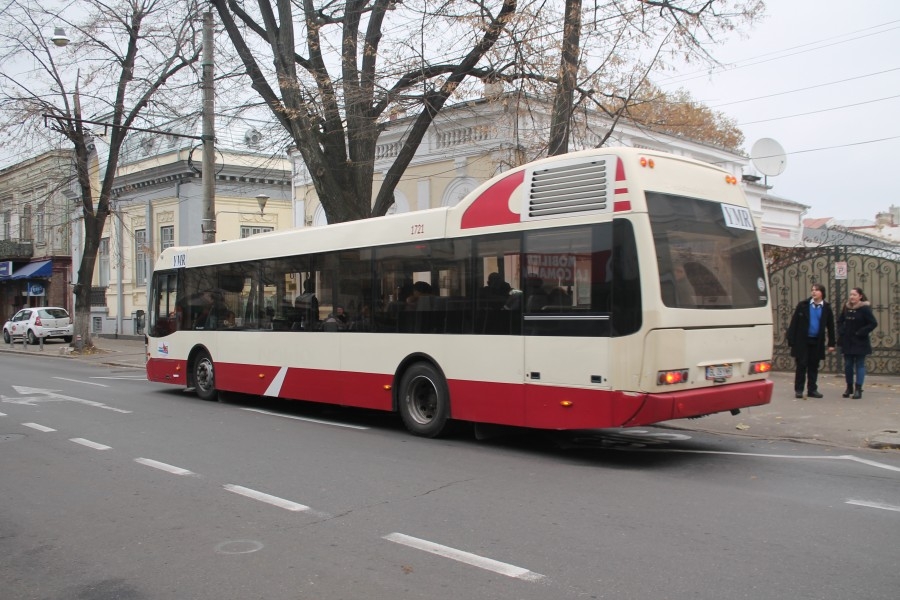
792, 271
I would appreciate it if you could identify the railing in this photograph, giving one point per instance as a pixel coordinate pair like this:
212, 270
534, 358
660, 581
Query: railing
10, 249
98, 296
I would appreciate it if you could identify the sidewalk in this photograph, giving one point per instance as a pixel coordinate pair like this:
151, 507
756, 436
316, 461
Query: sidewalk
872, 422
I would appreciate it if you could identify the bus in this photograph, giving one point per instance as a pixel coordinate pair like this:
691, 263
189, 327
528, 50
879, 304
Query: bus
613, 287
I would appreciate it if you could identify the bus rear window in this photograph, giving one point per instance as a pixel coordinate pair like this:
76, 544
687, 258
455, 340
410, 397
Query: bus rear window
707, 253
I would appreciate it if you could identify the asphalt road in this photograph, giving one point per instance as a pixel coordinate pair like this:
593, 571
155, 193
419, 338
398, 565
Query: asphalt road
115, 488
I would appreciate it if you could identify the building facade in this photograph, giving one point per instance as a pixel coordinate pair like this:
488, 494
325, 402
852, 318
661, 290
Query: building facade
471, 142
35, 233
158, 202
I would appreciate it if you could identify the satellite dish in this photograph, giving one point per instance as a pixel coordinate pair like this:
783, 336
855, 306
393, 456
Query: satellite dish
768, 157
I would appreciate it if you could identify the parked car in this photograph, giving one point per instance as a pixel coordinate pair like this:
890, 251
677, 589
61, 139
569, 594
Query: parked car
36, 323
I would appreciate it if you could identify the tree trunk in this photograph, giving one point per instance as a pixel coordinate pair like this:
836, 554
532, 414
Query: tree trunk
561, 116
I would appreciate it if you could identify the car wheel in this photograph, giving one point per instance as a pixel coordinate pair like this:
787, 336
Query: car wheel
6, 337
67, 339
31, 338
205, 377
424, 400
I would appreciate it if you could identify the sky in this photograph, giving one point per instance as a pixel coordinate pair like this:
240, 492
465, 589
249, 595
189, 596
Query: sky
821, 78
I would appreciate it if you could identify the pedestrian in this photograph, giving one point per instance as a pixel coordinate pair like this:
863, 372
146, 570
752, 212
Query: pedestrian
855, 323
812, 320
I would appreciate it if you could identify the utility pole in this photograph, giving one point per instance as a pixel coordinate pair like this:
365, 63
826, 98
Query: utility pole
208, 224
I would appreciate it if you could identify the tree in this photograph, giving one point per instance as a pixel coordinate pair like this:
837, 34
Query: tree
607, 52
361, 59
121, 59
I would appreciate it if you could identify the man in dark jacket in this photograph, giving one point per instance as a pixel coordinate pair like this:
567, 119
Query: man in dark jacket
812, 320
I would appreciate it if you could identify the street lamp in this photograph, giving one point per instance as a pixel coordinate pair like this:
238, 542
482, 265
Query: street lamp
261, 199
59, 37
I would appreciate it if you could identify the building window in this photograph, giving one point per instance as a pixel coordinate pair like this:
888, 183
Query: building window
25, 224
140, 257
39, 223
103, 267
7, 217
166, 237
247, 231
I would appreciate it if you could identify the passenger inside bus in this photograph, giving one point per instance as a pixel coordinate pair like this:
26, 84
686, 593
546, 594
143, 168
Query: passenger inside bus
306, 307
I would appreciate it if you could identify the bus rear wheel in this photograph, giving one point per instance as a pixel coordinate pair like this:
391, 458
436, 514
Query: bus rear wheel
205, 377
424, 400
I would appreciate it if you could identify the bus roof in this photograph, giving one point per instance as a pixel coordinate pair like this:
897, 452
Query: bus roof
567, 189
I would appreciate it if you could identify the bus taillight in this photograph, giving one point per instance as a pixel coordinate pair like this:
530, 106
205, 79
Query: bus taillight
760, 366
672, 377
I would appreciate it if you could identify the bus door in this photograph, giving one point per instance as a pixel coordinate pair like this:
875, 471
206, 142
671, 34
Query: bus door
566, 300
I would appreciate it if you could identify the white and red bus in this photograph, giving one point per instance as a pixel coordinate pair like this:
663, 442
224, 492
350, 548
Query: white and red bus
604, 288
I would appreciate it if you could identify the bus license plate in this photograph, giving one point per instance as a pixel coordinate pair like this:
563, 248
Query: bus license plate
718, 372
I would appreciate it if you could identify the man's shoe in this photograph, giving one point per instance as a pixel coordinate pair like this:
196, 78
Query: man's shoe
798, 394
815, 395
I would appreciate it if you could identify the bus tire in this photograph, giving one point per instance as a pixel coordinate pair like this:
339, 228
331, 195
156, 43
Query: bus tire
424, 400
204, 376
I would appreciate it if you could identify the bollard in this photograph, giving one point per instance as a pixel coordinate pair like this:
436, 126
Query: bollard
78, 342
41, 343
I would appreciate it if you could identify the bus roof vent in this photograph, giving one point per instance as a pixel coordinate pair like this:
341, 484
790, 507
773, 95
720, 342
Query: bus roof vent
569, 189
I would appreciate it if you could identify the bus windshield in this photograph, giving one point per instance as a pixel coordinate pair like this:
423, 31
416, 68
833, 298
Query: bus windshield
707, 253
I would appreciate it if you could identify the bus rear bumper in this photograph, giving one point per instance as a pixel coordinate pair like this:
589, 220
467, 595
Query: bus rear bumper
698, 403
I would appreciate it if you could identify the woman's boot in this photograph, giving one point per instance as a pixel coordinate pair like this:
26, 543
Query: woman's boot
857, 395
848, 391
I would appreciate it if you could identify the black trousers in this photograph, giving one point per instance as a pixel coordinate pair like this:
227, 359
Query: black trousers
808, 368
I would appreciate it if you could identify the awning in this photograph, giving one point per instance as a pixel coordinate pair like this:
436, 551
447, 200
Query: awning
43, 268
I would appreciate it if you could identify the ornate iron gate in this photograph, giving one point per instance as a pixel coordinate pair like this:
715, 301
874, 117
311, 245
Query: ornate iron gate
877, 271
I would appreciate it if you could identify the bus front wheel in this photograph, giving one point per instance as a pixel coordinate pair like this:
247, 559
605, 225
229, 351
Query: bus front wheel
424, 400
205, 377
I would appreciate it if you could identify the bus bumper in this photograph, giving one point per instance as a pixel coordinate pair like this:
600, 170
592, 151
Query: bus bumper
698, 403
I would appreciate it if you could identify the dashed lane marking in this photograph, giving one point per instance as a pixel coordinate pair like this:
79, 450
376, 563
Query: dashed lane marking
462, 556
43, 428
90, 444
163, 466
267, 498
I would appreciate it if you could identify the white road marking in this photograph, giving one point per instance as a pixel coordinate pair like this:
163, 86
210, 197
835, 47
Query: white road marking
880, 505
320, 422
849, 457
125, 377
38, 427
90, 444
2, 414
262, 497
163, 466
34, 395
79, 381
468, 558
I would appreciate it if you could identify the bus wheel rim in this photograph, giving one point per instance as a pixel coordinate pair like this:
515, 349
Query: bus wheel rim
422, 400
205, 375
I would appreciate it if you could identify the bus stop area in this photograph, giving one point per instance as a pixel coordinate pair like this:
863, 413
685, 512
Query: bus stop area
872, 422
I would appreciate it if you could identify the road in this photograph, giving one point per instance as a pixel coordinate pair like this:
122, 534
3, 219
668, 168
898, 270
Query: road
115, 488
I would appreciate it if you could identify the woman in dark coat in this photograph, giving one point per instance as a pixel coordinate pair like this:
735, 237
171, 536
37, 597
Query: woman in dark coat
811, 321
855, 324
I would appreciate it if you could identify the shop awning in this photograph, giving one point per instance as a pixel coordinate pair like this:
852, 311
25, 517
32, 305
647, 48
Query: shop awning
43, 268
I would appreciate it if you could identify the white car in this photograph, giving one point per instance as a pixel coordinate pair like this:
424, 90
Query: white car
37, 323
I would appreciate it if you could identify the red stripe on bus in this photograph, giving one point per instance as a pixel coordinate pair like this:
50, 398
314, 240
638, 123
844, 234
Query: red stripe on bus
516, 404
492, 206
620, 170
621, 206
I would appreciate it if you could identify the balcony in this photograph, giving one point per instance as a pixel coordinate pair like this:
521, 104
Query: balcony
16, 249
